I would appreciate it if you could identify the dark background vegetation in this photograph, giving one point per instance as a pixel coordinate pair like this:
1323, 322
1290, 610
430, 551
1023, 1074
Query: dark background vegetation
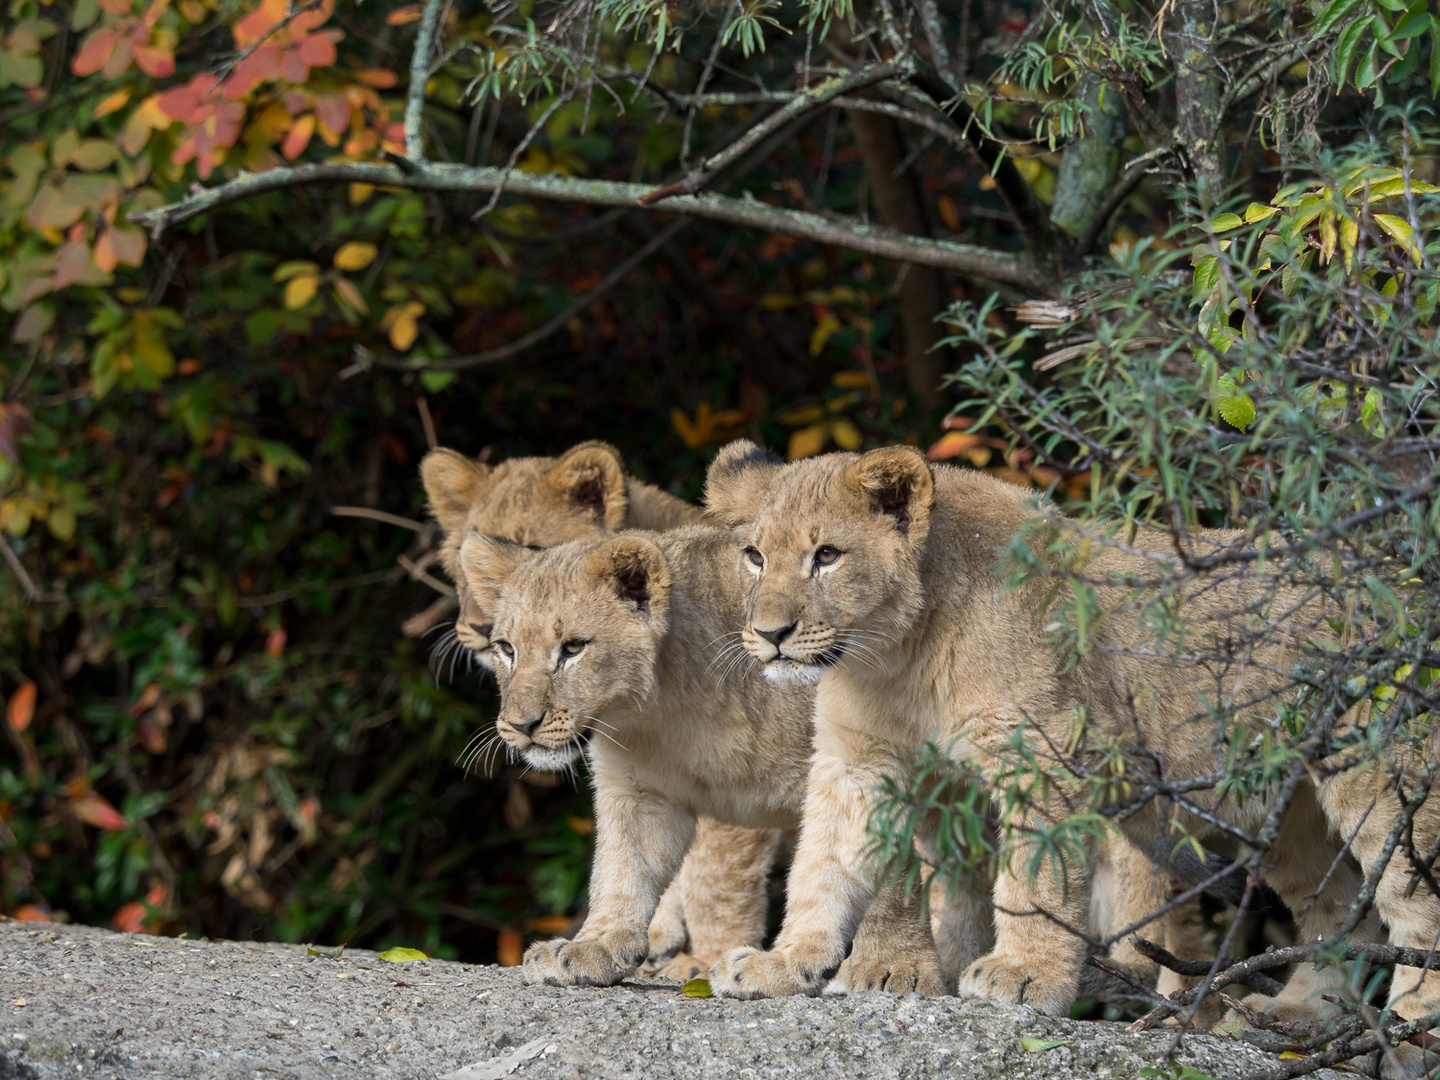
215, 722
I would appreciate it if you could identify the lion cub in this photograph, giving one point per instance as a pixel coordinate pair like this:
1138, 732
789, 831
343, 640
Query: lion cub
718, 901
614, 649
886, 549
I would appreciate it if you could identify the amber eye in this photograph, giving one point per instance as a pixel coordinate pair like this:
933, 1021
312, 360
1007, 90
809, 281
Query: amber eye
572, 648
826, 555
756, 559
506, 649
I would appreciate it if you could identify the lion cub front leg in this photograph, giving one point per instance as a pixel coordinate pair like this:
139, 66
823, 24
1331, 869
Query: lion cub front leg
827, 891
640, 841
894, 950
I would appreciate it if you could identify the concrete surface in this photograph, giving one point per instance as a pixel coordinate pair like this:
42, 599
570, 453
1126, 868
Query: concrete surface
100, 1004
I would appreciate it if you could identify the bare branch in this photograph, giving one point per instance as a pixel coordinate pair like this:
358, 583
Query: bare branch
840, 231
27, 583
376, 515
803, 102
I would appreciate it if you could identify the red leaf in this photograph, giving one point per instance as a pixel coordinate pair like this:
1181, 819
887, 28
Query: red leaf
180, 102
151, 737
93, 53
293, 67
275, 643
14, 422
71, 263
94, 809
21, 709
253, 70
333, 111
120, 59
130, 919
154, 61
318, 50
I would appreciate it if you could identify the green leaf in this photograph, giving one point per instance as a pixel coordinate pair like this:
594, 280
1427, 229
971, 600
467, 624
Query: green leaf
62, 523
1413, 23
333, 952
697, 988
1365, 73
1033, 1045
400, 955
1331, 15
435, 381
1226, 222
1207, 273
1237, 411
1434, 59
1345, 49
1255, 212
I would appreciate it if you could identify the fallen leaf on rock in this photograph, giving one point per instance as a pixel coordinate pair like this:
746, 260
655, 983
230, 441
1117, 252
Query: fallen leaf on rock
1037, 1046
399, 955
698, 988
19, 1003
333, 952
501, 1066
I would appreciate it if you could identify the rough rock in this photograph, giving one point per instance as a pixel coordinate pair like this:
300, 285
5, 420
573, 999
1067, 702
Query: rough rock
100, 1004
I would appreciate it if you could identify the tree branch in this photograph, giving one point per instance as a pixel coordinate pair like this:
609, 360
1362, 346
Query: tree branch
419, 76
803, 102
745, 211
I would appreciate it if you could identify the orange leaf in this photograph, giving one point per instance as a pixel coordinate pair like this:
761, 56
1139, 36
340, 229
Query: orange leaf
120, 59
275, 643
380, 78
402, 15
299, 136
318, 50
952, 443
151, 737
180, 102
93, 53
509, 947
948, 213
154, 61
112, 103
94, 809
254, 69
130, 919
30, 913
21, 709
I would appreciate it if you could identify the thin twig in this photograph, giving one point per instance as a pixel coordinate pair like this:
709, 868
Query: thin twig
376, 515
416, 571
291, 14
427, 422
32, 591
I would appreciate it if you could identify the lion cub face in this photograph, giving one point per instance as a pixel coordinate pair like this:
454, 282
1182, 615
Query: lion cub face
536, 502
573, 629
833, 552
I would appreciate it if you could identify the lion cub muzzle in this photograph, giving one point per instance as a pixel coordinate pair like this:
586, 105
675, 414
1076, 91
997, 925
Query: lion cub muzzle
550, 740
794, 652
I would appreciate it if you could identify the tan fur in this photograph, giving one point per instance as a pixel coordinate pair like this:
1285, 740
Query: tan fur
953, 656
616, 649
719, 899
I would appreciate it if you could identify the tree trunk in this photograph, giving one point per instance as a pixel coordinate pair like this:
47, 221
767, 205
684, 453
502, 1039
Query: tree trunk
897, 203
1091, 163
1197, 92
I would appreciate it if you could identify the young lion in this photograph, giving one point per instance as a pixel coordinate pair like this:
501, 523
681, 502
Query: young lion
885, 546
608, 648
718, 900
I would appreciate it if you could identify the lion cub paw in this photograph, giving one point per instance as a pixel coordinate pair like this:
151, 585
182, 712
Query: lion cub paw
573, 963
681, 966
1001, 978
750, 973
902, 972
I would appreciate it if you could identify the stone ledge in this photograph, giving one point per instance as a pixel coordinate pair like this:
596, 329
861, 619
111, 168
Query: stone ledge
100, 1004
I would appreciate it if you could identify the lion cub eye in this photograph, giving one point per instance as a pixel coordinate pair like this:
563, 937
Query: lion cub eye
506, 649
572, 648
756, 559
826, 555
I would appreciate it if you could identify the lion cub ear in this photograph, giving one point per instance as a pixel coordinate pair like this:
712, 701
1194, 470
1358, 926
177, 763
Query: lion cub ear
591, 478
453, 483
636, 569
738, 480
486, 562
899, 485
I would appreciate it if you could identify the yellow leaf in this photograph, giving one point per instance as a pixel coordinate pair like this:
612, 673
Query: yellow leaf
846, 435
1328, 236
402, 323
346, 290
400, 955
1400, 229
807, 442
115, 101
299, 290
805, 414
827, 325
360, 192
696, 988
355, 255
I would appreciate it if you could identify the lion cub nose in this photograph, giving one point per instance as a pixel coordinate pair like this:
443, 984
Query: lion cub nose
775, 637
526, 727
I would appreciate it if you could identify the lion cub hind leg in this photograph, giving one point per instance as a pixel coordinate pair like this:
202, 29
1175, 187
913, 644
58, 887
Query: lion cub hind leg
668, 933
723, 883
894, 950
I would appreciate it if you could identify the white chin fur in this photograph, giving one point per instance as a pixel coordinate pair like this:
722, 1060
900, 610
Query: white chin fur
537, 757
792, 673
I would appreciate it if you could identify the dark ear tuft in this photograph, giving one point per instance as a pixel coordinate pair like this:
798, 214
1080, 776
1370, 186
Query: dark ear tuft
453, 484
637, 570
737, 481
898, 482
591, 477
